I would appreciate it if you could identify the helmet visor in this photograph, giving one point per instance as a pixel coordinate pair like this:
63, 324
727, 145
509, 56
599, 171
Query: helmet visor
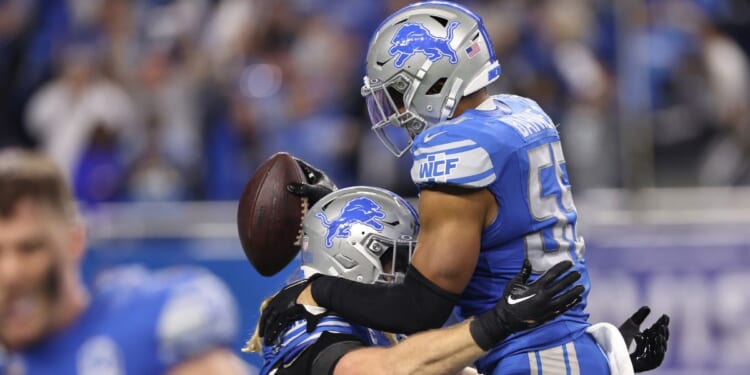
380, 107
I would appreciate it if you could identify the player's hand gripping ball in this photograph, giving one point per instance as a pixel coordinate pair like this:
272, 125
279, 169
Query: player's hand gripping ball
318, 183
269, 217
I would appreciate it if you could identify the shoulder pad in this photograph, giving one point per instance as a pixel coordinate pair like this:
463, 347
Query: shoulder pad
451, 154
528, 119
121, 278
199, 314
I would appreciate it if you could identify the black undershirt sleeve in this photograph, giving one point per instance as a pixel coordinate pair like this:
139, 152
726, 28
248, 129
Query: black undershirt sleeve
321, 357
415, 305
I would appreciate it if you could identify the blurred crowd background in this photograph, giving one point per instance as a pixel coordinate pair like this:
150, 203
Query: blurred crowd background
152, 102
164, 100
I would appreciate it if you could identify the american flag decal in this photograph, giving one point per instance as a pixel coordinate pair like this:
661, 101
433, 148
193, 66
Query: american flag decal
473, 50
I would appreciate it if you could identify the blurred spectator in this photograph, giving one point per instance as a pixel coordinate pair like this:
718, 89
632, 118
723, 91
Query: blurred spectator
728, 75
223, 84
119, 47
230, 38
315, 127
154, 175
168, 98
231, 151
698, 79
31, 32
68, 111
100, 172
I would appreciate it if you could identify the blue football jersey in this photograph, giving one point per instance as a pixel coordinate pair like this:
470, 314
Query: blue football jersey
511, 147
296, 339
137, 323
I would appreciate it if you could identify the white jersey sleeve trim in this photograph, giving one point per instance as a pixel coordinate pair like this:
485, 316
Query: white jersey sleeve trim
483, 182
472, 167
444, 146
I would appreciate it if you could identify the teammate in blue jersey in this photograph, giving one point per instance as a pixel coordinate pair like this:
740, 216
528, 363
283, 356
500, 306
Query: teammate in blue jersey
177, 321
367, 235
494, 193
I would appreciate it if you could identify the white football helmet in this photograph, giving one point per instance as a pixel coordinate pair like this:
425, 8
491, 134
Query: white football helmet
360, 233
422, 60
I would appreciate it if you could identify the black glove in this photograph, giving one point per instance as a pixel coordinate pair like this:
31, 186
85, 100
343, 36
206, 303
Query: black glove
283, 310
318, 184
525, 306
651, 344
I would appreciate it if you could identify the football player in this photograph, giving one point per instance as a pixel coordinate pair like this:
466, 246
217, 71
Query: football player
177, 321
494, 194
367, 235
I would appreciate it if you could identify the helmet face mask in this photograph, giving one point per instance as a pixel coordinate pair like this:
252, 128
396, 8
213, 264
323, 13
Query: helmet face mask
394, 255
390, 258
389, 113
360, 233
433, 53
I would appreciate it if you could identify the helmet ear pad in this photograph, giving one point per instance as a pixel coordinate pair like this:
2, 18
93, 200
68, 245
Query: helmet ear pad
348, 233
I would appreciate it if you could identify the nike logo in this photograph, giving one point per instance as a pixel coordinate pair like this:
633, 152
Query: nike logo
429, 137
513, 301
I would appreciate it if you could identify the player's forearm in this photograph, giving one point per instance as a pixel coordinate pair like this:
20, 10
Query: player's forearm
440, 351
411, 306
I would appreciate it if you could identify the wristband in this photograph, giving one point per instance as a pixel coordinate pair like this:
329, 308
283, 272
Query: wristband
486, 332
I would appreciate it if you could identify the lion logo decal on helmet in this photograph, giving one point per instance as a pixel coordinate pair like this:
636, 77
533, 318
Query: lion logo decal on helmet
357, 211
413, 38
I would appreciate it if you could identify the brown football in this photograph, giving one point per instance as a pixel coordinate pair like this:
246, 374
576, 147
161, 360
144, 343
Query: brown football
269, 218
